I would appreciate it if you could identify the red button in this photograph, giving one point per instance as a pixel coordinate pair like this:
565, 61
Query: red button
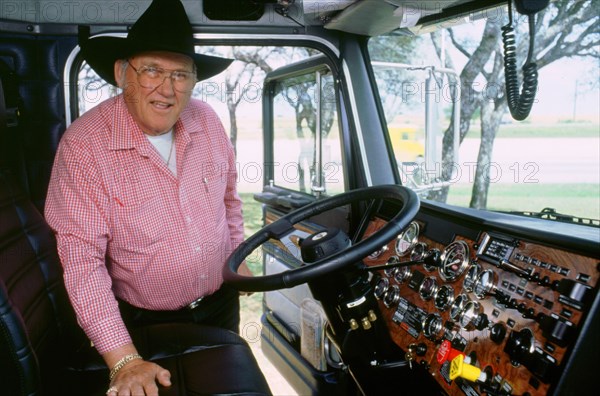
446, 352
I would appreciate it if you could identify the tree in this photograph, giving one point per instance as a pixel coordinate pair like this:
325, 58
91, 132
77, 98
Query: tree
391, 82
563, 29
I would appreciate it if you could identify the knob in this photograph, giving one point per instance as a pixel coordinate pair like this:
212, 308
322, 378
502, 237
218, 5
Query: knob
365, 323
372, 316
353, 324
421, 349
433, 258
498, 333
520, 346
458, 368
482, 322
529, 314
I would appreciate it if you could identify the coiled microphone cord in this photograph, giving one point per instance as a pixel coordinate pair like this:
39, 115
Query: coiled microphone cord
519, 104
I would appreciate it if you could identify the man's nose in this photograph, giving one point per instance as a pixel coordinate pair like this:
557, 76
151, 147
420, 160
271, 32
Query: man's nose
166, 87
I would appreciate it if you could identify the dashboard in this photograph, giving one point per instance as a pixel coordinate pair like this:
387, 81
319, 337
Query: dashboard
482, 311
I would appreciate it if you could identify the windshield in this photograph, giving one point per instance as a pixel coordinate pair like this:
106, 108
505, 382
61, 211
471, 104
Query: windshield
452, 134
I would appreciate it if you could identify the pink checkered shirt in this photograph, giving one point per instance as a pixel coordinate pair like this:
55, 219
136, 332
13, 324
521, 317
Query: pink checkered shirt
127, 227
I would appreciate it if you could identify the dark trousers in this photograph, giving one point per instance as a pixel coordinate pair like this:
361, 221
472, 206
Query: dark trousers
220, 309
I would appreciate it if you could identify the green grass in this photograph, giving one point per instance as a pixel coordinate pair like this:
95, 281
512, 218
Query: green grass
537, 130
575, 199
251, 306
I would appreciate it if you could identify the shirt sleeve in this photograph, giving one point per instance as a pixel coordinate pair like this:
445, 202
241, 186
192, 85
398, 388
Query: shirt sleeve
77, 210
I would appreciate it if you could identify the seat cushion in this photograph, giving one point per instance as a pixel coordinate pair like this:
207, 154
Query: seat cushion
203, 360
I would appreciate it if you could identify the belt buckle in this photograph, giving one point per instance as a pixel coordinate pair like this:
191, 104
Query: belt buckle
194, 304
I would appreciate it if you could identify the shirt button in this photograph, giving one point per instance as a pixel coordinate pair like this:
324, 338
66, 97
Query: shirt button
197, 248
188, 219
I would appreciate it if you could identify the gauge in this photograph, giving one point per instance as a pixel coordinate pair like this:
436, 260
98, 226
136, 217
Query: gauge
471, 277
378, 252
392, 271
428, 288
455, 260
407, 239
469, 315
457, 306
381, 287
485, 284
444, 297
391, 296
433, 326
402, 274
418, 251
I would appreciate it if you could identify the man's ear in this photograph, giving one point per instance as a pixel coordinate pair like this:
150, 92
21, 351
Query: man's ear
119, 72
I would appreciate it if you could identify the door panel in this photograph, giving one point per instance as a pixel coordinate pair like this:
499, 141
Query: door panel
303, 161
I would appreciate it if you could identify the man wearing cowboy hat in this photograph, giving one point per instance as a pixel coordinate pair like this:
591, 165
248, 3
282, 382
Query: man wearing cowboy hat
143, 197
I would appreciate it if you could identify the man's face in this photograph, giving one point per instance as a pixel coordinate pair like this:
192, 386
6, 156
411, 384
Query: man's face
157, 109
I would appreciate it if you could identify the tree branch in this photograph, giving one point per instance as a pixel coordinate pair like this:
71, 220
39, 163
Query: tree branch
457, 45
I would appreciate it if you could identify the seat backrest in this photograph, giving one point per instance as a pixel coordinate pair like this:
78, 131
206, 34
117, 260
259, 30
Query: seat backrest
37, 323
36, 320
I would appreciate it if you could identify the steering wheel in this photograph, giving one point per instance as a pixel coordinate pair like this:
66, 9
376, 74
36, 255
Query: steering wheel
304, 273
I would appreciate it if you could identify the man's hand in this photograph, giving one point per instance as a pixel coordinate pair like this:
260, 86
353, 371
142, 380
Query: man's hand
139, 377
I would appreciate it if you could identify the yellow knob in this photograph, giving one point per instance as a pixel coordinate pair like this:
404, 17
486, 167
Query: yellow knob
353, 324
458, 368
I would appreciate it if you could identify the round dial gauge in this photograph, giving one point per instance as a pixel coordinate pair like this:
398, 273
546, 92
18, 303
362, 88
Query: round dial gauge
392, 271
444, 297
407, 239
391, 296
381, 287
433, 326
471, 277
428, 288
418, 251
457, 306
378, 252
455, 260
402, 274
469, 316
485, 284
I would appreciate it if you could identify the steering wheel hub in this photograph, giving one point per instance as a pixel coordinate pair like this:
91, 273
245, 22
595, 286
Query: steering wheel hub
323, 244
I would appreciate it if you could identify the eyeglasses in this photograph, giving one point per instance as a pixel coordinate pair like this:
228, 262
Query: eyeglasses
152, 77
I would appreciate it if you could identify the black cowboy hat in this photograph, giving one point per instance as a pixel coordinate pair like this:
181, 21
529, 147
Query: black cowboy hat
164, 26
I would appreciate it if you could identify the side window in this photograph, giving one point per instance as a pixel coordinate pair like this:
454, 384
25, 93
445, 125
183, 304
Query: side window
307, 153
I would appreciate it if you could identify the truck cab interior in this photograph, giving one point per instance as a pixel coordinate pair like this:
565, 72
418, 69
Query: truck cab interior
428, 221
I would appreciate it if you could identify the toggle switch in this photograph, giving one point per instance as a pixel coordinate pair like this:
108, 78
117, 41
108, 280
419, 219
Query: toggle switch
458, 368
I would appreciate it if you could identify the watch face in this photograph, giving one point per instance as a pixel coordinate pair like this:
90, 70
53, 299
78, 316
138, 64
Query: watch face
455, 259
407, 239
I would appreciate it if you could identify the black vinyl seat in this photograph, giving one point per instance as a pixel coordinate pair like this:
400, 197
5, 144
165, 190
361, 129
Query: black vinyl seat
44, 352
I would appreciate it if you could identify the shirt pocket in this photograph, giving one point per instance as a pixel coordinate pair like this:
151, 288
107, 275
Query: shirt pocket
140, 215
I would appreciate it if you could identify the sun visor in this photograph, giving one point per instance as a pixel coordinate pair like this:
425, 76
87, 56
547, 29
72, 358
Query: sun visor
375, 17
